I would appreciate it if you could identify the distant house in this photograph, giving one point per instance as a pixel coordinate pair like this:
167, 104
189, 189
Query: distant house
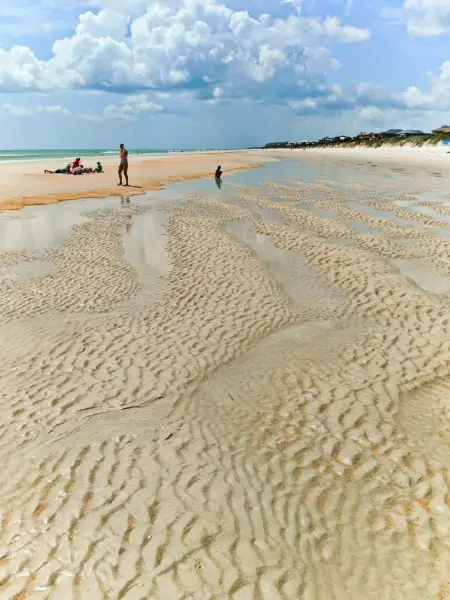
410, 132
368, 136
400, 133
443, 129
277, 145
391, 133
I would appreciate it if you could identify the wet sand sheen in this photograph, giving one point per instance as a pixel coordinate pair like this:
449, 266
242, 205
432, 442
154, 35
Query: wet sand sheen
216, 398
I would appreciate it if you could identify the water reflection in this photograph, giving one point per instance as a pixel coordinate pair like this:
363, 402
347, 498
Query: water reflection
36, 228
429, 212
291, 272
145, 245
381, 214
38, 231
424, 274
326, 214
26, 271
363, 228
265, 213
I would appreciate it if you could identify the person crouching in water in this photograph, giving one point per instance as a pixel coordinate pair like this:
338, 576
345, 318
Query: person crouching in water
218, 176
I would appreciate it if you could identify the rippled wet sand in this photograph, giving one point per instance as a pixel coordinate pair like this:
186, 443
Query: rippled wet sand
216, 398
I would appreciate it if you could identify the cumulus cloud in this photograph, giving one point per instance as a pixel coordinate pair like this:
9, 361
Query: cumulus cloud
407, 108
129, 110
375, 119
199, 46
21, 111
56, 109
344, 33
428, 17
364, 96
422, 17
437, 97
297, 4
371, 113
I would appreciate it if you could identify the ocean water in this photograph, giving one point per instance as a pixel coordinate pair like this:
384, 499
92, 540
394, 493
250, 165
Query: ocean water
26, 155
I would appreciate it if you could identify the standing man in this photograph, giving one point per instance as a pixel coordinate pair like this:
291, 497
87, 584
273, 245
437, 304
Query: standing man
123, 167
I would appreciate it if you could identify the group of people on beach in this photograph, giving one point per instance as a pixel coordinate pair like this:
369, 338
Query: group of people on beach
76, 168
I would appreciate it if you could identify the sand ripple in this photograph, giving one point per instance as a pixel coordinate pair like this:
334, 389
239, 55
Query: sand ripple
211, 430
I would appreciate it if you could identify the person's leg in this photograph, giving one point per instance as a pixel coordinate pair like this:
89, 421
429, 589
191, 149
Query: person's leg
120, 174
125, 172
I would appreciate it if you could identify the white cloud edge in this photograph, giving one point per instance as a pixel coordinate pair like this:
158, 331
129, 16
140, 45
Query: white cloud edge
232, 53
422, 18
183, 44
129, 109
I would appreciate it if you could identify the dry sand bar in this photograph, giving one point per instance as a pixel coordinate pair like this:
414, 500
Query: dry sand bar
225, 395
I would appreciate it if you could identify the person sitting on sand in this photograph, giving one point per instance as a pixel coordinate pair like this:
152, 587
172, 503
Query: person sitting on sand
99, 168
218, 173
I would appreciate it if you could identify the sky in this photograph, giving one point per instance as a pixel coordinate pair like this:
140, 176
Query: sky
218, 74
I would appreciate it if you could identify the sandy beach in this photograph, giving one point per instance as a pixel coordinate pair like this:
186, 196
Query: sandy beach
25, 184
236, 394
386, 155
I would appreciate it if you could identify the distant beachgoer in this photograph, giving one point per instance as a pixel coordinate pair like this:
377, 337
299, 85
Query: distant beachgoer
219, 172
99, 168
76, 163
123, 167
